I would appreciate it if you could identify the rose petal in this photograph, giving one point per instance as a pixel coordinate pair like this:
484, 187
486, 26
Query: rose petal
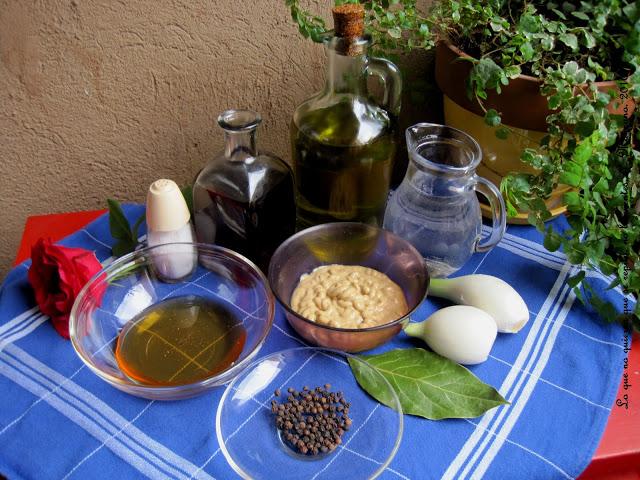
61, 324
57, 274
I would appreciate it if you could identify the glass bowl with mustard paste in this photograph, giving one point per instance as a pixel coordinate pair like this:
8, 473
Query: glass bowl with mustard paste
348, 286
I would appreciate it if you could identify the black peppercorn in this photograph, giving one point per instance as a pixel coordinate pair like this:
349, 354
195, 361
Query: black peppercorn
312, 421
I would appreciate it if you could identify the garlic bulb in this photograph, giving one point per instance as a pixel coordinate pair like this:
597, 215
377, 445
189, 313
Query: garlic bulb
488, 293
461, 333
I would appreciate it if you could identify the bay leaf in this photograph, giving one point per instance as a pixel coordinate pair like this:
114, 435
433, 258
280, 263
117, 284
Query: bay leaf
427, 384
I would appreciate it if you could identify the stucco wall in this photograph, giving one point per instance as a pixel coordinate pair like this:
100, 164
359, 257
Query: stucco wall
98, 98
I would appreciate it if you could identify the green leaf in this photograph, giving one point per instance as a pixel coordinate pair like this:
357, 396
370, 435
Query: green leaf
428, 385
613, 284
492, 118
582, 153
502, 133
580, 15
576, 279
559, 13
122, 247
511, 210
569, 39
589, 39
118, 224
136, 226
584, 129
547, 43
529, 23
526, 49
570, 68
512, 71
395, 32
187, 193
496, 24
572, 199
575, 256
569, 178
552, 241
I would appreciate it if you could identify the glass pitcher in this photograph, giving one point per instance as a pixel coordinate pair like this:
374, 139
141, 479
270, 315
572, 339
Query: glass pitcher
435, 207
343, 140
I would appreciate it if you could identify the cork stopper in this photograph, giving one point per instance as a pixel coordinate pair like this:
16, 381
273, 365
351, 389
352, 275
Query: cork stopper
348, 20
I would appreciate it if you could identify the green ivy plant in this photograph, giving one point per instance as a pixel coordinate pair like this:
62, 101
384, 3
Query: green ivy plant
395, 26
569, 46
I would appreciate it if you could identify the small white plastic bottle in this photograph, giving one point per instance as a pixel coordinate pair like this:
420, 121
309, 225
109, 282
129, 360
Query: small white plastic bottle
168, 222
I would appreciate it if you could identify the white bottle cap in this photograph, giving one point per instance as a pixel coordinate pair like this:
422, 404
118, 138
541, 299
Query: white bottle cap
166, 208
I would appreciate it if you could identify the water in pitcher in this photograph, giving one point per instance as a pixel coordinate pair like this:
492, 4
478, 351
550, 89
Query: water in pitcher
436, 208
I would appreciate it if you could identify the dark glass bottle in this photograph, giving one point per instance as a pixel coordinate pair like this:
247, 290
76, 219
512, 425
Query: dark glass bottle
244, 199
343, 141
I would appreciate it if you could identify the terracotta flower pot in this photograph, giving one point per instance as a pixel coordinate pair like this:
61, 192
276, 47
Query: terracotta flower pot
521, 106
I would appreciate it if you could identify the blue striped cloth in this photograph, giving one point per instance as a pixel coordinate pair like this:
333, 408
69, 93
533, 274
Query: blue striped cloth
560, 374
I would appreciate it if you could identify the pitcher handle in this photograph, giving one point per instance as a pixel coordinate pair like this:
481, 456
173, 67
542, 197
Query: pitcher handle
498, 213
389, 75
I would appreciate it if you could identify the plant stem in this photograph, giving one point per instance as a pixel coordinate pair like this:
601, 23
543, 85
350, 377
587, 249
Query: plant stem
414, 329
439, 287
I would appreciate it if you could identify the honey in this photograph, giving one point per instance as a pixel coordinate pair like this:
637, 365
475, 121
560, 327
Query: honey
179, 341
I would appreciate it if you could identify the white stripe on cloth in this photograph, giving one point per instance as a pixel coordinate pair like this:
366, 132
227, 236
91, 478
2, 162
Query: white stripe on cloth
97, 411
486, 254
566, 390
25, 329
40, 399
513, 395
537, 253
552, 264
20, 318
84, 421
528, 450
84, 230
605, 342
347, 442
530, 245
343, 447
593, 338
516, 371
516, 410
20, 326
357, 454
255, 412
106, 443
90, 454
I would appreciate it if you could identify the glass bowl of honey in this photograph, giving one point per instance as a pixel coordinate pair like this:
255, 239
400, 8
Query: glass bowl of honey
171, 321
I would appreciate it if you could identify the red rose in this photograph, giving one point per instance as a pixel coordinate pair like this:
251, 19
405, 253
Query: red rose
57, 274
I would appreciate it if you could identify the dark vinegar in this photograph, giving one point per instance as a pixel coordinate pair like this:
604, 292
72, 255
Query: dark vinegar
253, 228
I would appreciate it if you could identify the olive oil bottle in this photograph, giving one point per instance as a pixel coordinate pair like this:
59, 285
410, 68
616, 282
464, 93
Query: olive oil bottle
342, 139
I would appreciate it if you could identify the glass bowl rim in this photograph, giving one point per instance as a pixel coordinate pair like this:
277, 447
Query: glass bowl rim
118, 265
323, 226
398, 410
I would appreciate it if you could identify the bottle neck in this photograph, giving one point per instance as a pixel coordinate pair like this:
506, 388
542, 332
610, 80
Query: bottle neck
240, 144
239, 133
346, 65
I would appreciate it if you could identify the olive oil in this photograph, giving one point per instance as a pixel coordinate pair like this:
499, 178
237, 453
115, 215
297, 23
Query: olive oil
179, 341
342, 138
342, 165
